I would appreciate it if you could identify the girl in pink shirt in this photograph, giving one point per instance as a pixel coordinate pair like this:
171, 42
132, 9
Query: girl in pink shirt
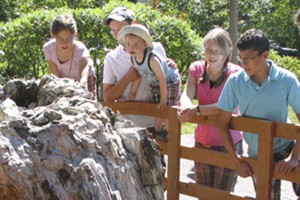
205, 82
68, 57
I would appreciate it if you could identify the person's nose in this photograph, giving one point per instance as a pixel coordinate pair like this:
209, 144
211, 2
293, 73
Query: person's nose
130, 47
65, 41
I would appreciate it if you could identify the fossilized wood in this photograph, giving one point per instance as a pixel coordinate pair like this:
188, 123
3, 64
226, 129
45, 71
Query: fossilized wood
63, 145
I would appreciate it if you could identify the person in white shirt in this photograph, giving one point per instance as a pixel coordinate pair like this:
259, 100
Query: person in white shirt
118, 73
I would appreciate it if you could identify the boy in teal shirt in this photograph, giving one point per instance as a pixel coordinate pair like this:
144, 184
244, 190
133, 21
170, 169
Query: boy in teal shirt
252, 90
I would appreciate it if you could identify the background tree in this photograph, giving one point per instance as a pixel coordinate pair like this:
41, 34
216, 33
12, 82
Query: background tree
272, 16
176, 23
22, 39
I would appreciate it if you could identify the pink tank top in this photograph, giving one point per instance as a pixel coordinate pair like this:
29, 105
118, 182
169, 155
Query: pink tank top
209, 135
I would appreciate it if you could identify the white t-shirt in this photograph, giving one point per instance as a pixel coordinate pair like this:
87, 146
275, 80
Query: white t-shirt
116, 64
70, 68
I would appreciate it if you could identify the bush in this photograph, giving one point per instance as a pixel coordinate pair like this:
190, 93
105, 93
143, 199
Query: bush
10, 10
288, 62
22, 39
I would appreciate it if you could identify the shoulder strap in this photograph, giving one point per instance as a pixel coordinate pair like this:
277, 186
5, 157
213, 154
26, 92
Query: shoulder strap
155, 55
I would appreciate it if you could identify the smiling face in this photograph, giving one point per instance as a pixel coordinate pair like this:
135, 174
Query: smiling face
64, 40
214, 55
135, 46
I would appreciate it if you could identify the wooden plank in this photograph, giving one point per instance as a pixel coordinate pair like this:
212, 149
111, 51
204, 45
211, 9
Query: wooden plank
173, 156
213, 157
138, 108
163, 146
247, 124
265, 162
294, 176
263, 167
203, 192
288, 131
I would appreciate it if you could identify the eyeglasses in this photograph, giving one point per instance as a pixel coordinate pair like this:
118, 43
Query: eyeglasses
66, 40
247, 59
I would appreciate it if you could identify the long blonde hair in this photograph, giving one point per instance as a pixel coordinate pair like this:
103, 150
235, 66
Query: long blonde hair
223, 39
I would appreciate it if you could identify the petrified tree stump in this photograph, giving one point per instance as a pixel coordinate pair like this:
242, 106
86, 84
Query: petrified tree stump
56, 143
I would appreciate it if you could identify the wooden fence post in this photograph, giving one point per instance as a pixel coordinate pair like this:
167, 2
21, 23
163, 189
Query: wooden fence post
173, 156
265, 161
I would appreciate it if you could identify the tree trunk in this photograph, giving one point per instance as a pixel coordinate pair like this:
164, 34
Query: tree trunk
233, 30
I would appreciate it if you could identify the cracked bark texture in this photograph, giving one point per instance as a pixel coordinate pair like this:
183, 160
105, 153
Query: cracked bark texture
57, 143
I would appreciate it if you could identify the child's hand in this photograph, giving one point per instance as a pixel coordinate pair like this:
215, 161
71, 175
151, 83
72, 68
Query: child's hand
185, 114
171, 63
162, 104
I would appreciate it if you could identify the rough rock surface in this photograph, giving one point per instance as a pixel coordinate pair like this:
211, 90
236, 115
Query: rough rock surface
56, 143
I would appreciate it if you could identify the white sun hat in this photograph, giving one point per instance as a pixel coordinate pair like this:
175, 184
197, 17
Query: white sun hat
135, 29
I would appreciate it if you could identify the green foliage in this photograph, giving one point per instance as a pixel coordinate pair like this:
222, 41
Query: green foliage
203, 15
10, 10
287, 62
22, 39
272, 16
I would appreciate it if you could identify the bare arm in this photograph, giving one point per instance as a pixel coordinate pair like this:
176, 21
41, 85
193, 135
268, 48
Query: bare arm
160, 74
84, 70
133, 90
292, 162
53, 68
112, 92
242, 167
189, 92
187, 110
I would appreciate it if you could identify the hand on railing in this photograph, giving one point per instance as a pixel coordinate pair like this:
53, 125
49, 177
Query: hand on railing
286, 166
186, 114
243, 168
162, 103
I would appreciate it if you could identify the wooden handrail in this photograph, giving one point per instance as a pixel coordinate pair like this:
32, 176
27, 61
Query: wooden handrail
262, 166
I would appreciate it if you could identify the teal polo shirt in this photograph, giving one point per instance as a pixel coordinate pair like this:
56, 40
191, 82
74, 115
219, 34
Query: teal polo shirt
268, 101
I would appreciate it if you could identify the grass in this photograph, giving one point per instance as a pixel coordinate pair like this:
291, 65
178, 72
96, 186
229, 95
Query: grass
188, 128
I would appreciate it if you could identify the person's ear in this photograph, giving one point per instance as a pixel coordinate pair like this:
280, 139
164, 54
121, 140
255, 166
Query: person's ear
265, 54
52, 35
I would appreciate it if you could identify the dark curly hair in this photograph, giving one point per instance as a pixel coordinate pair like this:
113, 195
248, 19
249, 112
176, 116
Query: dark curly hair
254, 39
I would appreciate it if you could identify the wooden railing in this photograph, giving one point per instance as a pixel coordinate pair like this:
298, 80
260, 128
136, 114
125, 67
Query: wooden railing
262, 166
